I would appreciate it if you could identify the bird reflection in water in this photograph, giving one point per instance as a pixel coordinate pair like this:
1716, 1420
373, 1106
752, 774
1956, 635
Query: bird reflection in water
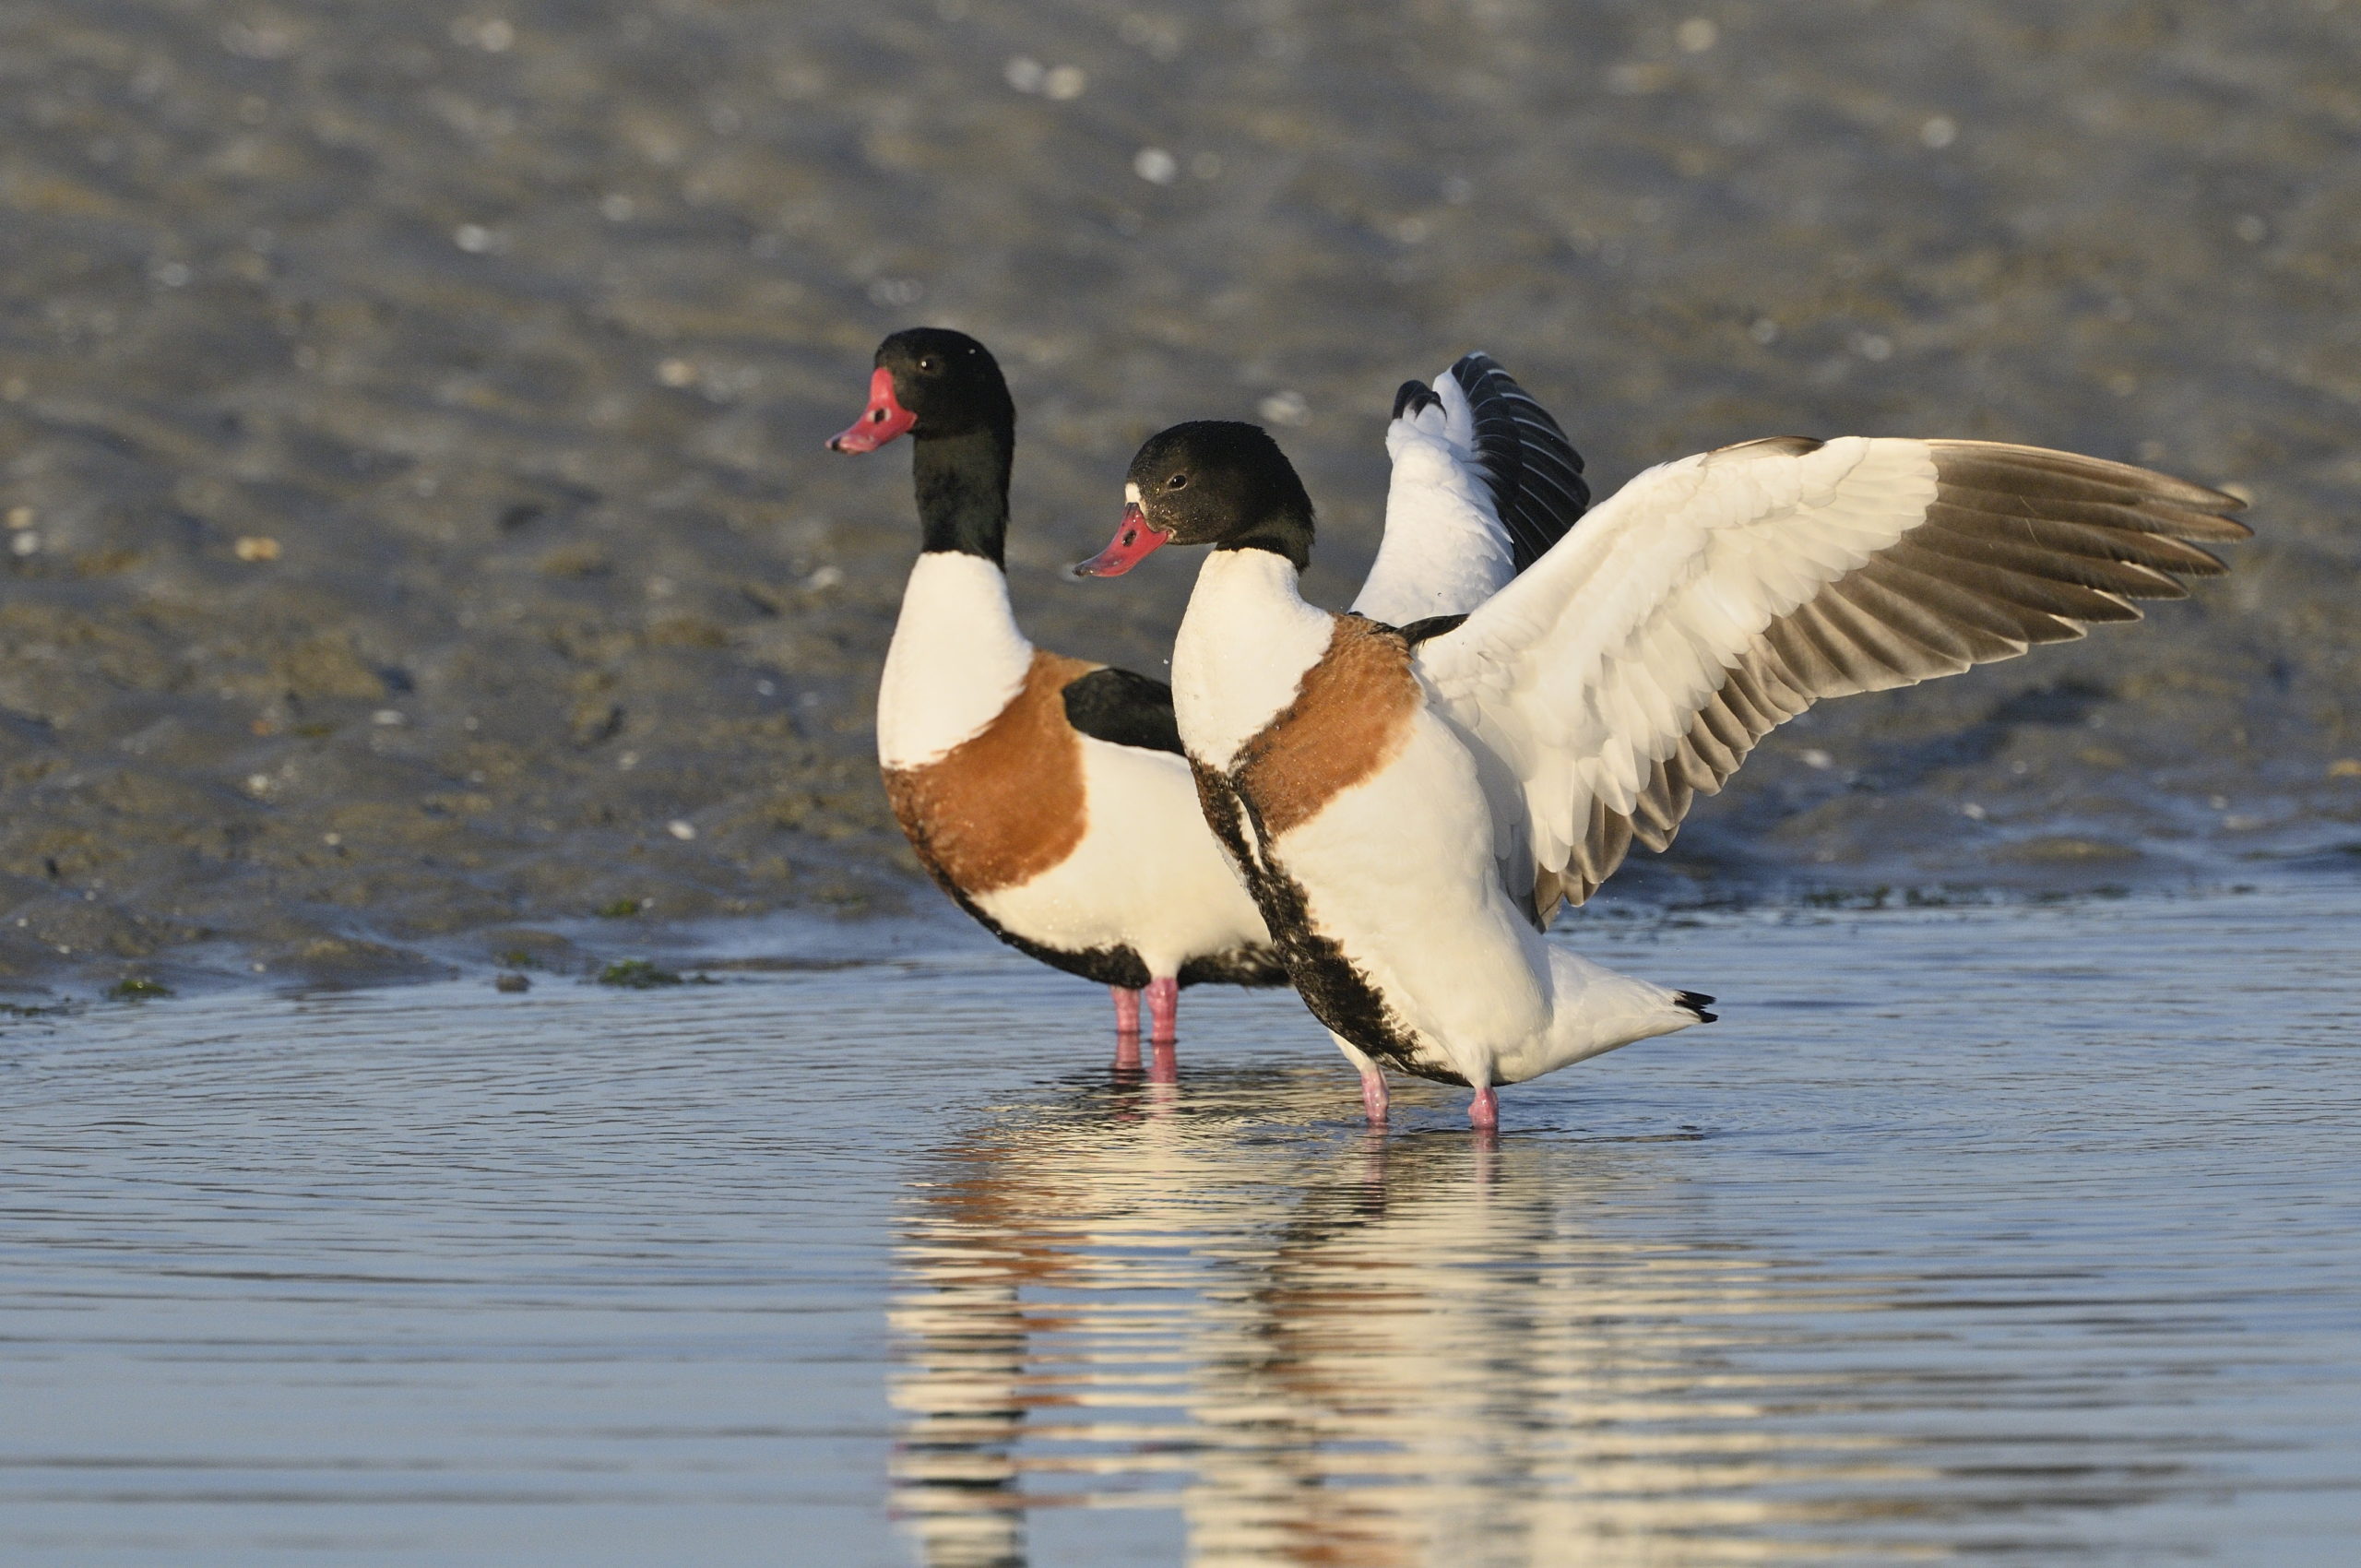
1324, 1347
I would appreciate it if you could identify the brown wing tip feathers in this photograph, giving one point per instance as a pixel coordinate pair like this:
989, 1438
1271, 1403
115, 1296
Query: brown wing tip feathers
2019, 546
2174, 507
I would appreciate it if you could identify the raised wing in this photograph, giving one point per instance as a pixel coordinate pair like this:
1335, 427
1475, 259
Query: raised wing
1713, 599
1484, 484
1533, 471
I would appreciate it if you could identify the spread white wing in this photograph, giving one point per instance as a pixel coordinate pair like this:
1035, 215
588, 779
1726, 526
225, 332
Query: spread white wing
1484, 484
1713, 599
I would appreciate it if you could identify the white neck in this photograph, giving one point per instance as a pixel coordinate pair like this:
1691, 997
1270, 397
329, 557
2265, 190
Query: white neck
1244, 647
956, 660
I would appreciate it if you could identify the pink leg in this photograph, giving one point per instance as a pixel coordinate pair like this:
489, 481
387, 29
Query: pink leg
1163, 1010
1484, 1110
1163, 1066
1127, 1029
1373, 1098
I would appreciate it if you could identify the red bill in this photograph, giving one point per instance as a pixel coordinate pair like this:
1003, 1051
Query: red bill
880, 422
1133, 542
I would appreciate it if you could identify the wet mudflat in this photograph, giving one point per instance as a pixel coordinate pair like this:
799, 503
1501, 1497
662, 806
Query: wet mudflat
1998, 1230
414, 524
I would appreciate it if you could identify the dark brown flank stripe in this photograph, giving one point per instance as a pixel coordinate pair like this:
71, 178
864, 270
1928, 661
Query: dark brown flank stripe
1349, 718
2019, 546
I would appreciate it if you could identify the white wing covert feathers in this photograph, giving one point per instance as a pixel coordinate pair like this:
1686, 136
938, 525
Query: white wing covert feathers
1713, 599
1483, 483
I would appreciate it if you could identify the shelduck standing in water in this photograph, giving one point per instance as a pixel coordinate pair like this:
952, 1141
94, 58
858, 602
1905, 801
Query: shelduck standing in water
1411, 804
1048, 796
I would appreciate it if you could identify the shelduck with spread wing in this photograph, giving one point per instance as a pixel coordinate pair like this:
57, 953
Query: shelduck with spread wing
1411, 804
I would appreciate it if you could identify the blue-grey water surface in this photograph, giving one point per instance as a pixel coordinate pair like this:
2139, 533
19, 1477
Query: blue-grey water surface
2016, 1232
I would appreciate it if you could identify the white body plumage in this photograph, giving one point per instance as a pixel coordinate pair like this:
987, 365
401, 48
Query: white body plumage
1411, 807
1397, 870
1144, 872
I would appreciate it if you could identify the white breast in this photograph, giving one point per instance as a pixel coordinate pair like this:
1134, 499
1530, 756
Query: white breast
956, 660
1242, 651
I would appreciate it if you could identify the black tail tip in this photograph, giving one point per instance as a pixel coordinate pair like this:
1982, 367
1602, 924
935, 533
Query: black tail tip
1697, 1002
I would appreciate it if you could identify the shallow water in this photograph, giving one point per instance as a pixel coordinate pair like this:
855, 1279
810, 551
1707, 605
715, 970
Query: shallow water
2020, 1231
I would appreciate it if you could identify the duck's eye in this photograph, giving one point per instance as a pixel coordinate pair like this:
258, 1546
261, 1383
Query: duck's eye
930, 364
1177, 481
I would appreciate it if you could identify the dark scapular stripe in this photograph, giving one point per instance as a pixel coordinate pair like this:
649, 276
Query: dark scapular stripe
1123, 710
1416, 631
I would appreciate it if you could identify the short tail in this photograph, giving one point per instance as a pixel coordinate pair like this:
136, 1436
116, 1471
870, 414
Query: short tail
1595, 1010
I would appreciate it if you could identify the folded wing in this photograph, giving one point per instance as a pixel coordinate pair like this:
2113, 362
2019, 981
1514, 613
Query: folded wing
1124, 709
1484, 484
1713, 599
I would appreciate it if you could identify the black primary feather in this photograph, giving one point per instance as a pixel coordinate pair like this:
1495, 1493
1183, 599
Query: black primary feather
1124, 709
1534, 471
1413, 397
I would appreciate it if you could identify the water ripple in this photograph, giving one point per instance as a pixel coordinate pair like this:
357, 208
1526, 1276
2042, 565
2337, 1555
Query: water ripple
2009, 1230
